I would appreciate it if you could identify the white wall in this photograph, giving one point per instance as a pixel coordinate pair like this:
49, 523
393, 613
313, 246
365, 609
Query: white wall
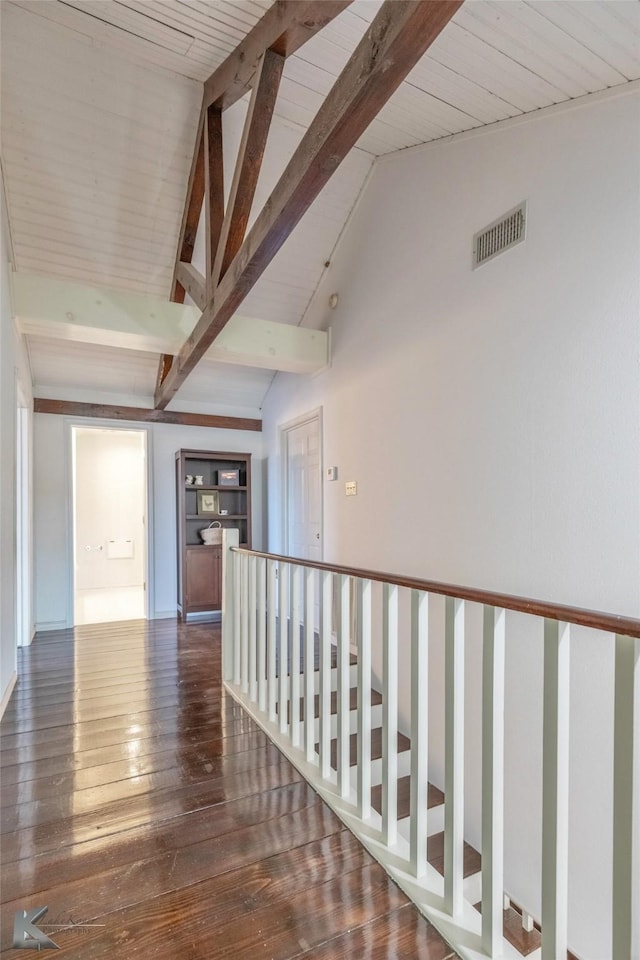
14, 372
52, 480
492, 421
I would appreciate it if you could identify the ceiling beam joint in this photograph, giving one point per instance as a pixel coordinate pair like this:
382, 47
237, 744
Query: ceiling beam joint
284, 28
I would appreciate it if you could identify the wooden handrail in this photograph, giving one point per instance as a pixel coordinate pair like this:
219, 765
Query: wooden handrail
609, 622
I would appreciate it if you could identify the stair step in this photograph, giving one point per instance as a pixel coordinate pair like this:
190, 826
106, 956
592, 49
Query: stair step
376, 747
376, 698
435, 797
353, 678
471, 861
525, 942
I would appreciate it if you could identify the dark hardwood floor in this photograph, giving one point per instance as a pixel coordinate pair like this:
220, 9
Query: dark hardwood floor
138, 797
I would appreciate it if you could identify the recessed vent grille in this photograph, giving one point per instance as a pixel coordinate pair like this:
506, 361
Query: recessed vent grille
500, 235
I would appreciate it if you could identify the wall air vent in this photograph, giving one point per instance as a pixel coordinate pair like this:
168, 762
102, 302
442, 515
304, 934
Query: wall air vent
500, 235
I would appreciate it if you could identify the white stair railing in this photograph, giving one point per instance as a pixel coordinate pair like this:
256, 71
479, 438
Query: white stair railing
285, 668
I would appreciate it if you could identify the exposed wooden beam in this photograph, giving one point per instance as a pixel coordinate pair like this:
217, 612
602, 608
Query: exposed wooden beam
213, 190
192, 208
285, 27
76, 313
400, 34
193, 283
105, 411
249, 161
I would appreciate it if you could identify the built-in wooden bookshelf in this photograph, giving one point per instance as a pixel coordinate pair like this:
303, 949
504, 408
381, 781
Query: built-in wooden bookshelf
201, 499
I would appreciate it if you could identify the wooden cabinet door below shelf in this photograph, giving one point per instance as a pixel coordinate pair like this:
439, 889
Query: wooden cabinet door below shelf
203, 573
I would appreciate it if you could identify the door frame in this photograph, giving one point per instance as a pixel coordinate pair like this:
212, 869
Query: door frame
284, 429
24, 523
96, 424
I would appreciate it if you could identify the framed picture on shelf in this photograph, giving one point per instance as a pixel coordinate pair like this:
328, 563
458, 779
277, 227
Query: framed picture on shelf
228, 478
208, 502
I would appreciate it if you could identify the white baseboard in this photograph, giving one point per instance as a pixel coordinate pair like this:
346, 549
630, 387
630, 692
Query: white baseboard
7, 694
164, 615
51, 625
32, 634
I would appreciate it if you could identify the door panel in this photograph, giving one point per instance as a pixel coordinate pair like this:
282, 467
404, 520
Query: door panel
203, 567
304, 506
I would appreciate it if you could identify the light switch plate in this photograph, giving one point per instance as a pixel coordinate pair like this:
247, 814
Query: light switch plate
351, 488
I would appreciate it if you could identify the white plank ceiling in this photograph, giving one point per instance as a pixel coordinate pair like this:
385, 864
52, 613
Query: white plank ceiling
100, 100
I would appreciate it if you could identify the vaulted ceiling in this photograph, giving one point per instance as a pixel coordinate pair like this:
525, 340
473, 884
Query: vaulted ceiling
100, 104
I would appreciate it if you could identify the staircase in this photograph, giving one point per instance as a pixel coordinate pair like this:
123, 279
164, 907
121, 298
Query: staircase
343, 736
516, 921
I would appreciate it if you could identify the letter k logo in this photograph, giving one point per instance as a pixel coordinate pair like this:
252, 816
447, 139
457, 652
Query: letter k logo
26, 936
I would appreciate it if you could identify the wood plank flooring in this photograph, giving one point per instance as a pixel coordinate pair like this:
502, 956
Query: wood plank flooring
137, 796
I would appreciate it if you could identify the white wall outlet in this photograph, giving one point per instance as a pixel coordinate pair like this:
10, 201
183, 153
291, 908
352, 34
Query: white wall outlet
351, 488
332, 473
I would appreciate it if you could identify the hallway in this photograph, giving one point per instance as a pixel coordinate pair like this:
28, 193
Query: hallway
138, 798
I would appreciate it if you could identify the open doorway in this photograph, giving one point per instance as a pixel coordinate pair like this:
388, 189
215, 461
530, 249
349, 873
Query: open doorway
109, 524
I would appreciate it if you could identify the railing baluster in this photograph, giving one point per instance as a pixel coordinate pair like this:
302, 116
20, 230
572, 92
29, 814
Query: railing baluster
419, 730
309, 663
343, 658
555, 789
363, 620
389, 713
244, 639
295, 655
272, 692
237, 616
283, 645
262, 635
229, 598
325, 673
252, 609
493, 653
454, 755
626, 801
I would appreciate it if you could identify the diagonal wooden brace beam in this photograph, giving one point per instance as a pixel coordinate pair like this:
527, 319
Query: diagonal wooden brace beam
247, 169
213, 191
400, 34
191, 215
192, 282
166, 359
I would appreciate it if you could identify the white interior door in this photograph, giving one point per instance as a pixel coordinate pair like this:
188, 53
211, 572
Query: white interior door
110, 556
304, 491
303, 496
